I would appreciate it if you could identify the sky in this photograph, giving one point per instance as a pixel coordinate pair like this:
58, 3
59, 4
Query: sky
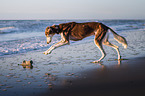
71, 9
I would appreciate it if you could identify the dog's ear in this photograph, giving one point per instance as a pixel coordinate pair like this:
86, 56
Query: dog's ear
51, 28
47, 28
55, 26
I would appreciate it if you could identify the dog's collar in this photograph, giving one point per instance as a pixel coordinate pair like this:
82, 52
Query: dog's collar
57, 29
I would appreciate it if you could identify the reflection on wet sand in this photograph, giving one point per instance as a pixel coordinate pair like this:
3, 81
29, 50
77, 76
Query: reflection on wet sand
119, 61
104, 66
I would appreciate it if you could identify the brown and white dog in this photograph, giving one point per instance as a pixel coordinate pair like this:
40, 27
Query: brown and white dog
77, 31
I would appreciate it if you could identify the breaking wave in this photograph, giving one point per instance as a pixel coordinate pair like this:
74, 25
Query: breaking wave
24, 45
5, 30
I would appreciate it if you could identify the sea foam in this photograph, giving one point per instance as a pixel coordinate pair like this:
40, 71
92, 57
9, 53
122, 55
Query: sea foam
7, 29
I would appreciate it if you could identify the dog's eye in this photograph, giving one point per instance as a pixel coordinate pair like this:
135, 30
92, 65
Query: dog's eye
48, 30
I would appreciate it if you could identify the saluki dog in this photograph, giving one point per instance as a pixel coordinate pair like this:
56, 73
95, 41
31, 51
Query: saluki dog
77, 31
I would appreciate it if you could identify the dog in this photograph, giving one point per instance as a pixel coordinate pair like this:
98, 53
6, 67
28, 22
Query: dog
78, 31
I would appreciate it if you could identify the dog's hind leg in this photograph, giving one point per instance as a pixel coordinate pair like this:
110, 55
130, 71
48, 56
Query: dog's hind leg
106, 42
100, 47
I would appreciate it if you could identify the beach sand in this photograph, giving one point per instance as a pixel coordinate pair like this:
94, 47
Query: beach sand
68, 71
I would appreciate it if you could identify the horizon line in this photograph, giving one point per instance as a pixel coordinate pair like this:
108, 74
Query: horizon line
72, 19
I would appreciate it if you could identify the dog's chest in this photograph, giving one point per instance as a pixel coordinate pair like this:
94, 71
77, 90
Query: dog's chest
75, 38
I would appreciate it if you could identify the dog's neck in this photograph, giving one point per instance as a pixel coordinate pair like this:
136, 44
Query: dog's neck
55, 29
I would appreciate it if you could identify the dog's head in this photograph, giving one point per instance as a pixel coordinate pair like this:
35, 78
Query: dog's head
50, 31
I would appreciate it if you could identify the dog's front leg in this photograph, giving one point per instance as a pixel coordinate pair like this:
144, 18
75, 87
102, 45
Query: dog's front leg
61, 43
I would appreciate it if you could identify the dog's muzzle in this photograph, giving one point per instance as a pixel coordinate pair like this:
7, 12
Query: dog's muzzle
49, 39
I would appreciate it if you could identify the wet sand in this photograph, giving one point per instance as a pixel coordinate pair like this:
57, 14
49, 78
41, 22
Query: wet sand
108, 78
126, 79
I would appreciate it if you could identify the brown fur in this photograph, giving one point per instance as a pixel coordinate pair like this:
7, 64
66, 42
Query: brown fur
78, 31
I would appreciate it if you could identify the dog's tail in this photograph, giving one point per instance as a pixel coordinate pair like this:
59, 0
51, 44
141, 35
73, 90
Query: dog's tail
119, 39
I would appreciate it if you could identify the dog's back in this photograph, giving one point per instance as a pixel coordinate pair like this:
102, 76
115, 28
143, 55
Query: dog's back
81, 30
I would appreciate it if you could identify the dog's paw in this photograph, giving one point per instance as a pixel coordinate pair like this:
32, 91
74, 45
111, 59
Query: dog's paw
97, 61
46, 53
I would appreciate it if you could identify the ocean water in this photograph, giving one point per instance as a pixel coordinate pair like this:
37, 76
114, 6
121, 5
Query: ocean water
21, 36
